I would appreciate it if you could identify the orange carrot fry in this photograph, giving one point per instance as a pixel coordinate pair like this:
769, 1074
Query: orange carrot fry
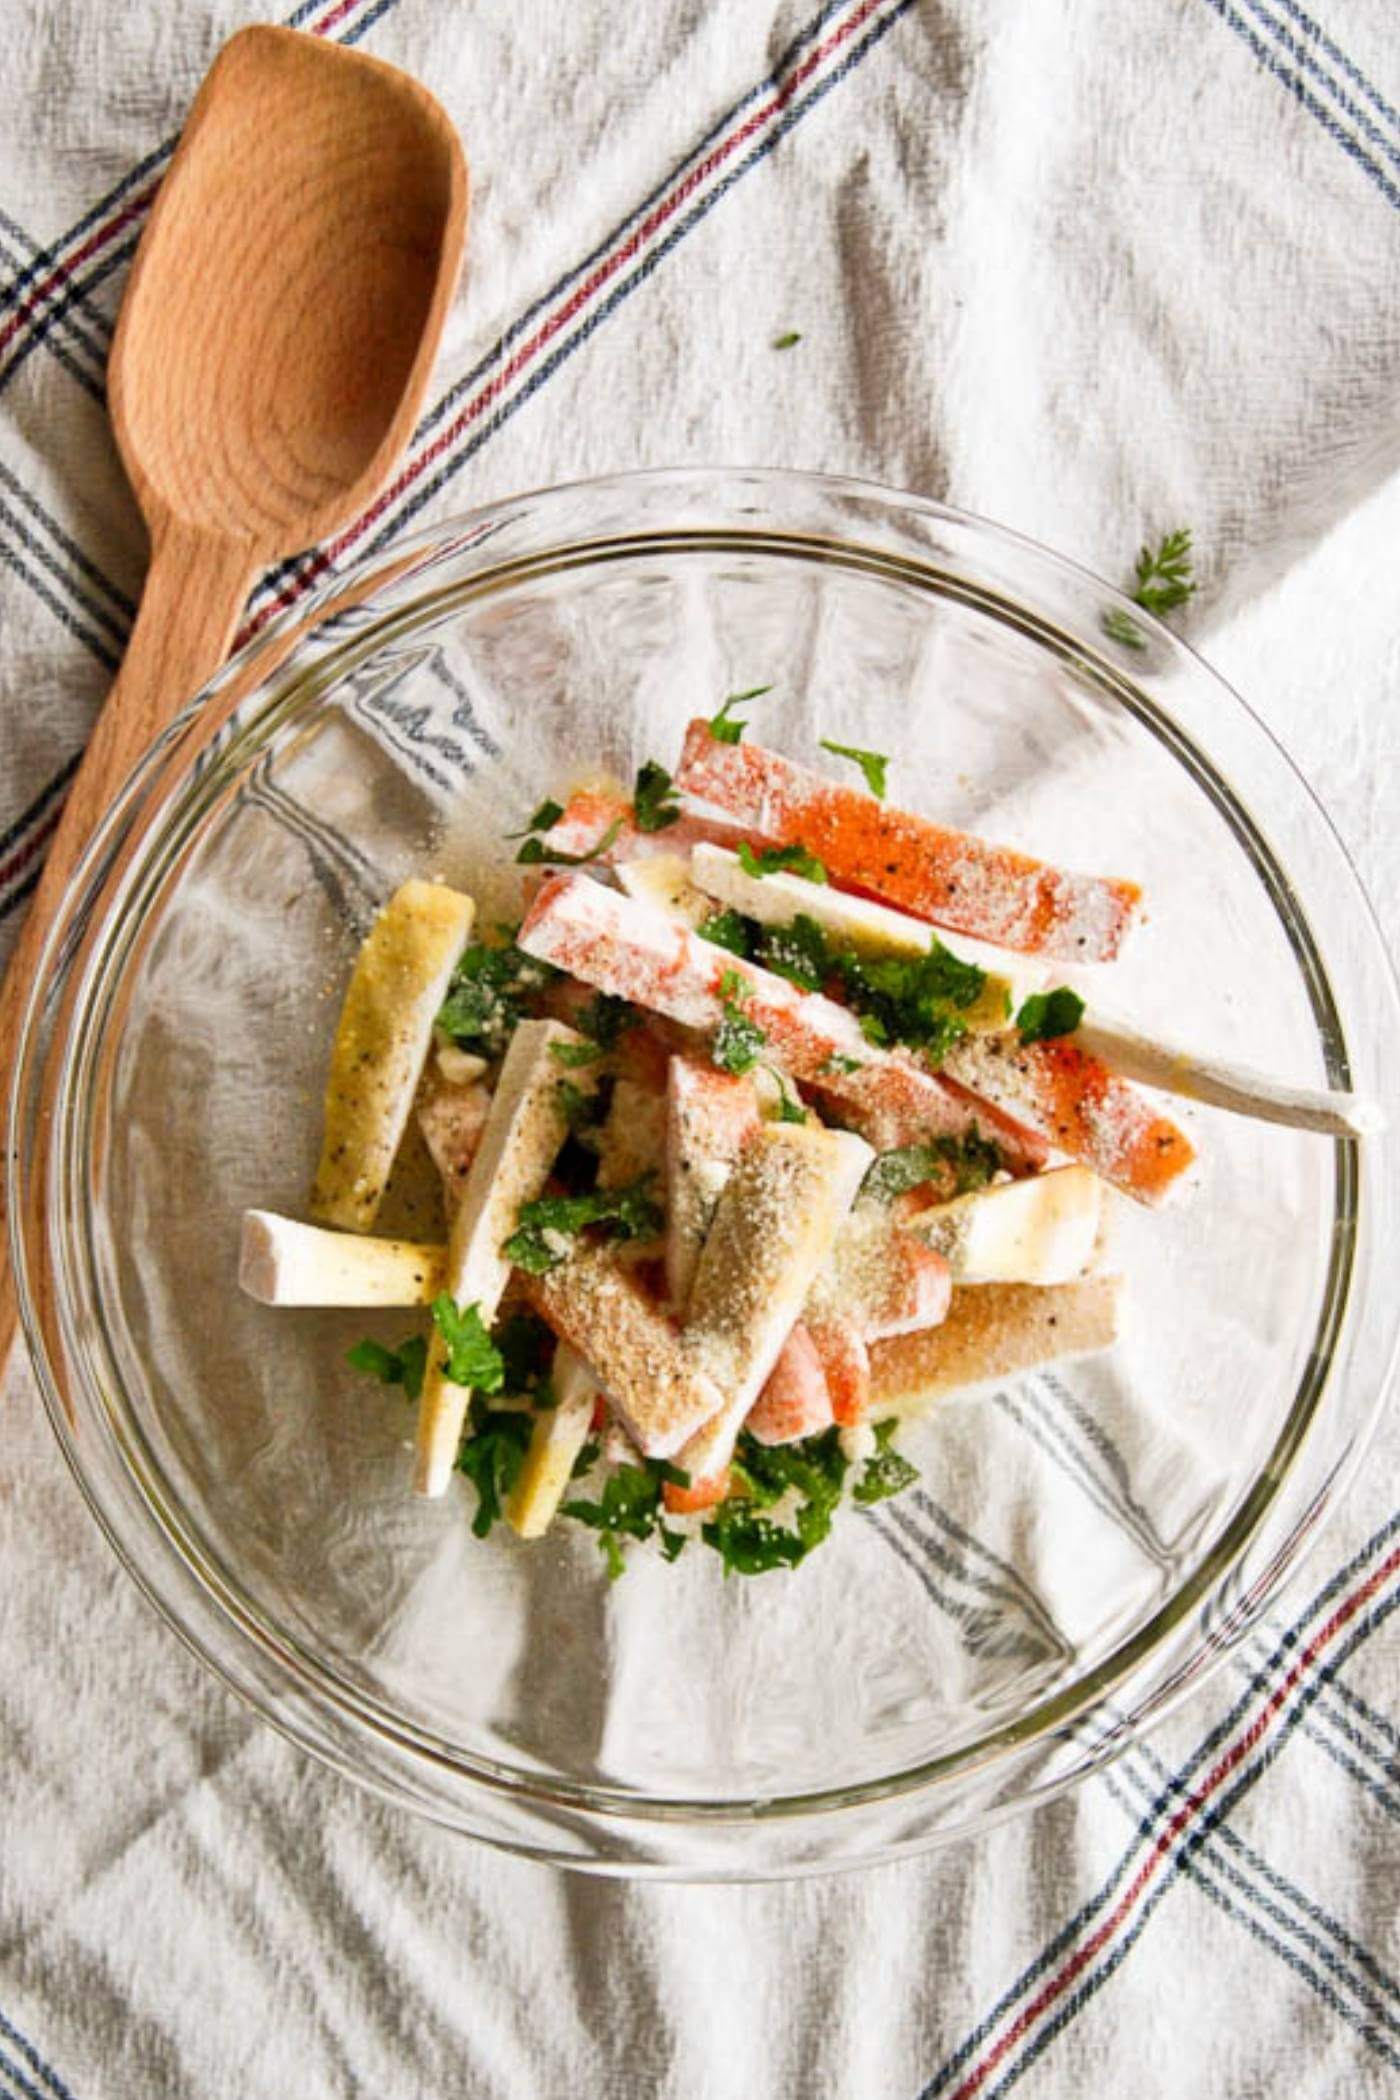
846, 1362
701, 1494
623, 947
795, 1402
948, 878
1081, 1107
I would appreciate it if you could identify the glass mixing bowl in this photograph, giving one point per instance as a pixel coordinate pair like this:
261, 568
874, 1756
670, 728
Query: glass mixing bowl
1085, 1544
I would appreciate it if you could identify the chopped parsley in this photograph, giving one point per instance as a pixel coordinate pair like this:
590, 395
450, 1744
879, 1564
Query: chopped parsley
873, 764
839, 1063
738, 1041
1162, 581
728, 929
886, 1472
655, 805
788, 340
535, 853
750, 1542
916, 999
403, 1366
630, 1507
1162, 576
800, 952
725, 727
1046, 1015
780, 860
1120, 626
580, 1107
526, 1347
543, 819
973, 1160
493, 1456
491, 989
471, 1358
790, 1109
605, 1019
574, 1055
628, 1213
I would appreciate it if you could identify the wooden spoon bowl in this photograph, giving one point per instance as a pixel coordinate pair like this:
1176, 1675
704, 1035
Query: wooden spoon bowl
288, 294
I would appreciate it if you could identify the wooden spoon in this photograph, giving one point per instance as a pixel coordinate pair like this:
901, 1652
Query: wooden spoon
272, 354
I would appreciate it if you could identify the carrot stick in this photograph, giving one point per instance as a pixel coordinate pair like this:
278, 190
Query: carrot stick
949, 878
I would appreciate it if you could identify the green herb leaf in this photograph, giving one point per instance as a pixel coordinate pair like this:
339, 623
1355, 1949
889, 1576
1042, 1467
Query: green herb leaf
776, 860
472, 1358
751, 1544
580, 1108
654, 801
788, 339
1046, 1015
543, 819
628, 1213
790, 1109
1121, 627
605, 1019
887, 1473
574, 1055
872, 763
738, 1044
403, 1366
725, 728
973, 1160
916, 999
526, 1346
837, 1063
492, 1457
728, 929
1163, 578
535, 853
586, 1460
492, 987
800, 952
738, 1041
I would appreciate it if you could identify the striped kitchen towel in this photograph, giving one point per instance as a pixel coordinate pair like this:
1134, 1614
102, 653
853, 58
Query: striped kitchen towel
1090, 269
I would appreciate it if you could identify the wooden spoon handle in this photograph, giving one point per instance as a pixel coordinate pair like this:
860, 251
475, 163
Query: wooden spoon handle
196, 588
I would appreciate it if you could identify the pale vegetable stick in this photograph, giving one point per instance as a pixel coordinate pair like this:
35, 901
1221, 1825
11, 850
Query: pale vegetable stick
526, 1127
665, 883
632, 1141
871, 929
948, 877
1041, 1230
1225, 1085
776, 1224
594, 1302
283, 1262
452, 1118
1077, 1105
622, 947
993, 1331
881, 1279
558, 1436
382, 1042
710, 1117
